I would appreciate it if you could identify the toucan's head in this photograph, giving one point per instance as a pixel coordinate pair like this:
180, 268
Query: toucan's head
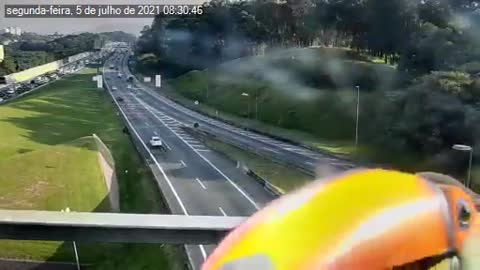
361, 219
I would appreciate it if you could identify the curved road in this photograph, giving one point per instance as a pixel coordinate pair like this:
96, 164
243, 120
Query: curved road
193, 179
286, 152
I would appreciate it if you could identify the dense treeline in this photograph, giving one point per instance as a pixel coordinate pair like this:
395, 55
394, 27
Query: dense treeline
419, 35
434, 45
32, 49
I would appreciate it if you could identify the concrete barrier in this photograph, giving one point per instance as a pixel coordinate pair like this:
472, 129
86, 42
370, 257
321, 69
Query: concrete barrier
34, 72
264, 182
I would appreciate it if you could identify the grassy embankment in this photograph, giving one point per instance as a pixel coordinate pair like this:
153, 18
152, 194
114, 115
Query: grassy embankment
289, 97
284, 178
49, 162
294, 97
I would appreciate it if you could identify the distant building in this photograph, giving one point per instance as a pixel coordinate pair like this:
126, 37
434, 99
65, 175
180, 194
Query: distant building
17, 31
55, 35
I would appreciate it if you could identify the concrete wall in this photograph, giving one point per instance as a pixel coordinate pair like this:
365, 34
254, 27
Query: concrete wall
31, 73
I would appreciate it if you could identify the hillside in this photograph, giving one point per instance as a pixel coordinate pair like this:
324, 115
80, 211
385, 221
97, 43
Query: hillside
54, 178
309, 96
299, 89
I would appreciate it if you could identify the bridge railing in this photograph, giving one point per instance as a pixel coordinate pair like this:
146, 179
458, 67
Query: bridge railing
112, 227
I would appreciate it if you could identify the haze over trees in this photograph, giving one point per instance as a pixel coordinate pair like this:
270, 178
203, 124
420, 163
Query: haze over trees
433, 44
398, 31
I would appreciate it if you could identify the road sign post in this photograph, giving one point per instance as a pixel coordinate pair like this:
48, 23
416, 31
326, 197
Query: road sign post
466, 148
67, 210
99, 81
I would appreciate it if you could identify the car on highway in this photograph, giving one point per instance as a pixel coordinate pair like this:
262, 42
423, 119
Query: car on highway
156, 142
119, 75
129, 86
120, 99
10, 91
114, 88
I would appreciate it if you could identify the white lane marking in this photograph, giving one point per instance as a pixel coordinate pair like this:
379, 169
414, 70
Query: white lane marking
194, 143
146, 123
203, 150
184, 210
216, 123
168, 147
201, 184
221, 210
201, 156
204, 253
183, 163
270, 149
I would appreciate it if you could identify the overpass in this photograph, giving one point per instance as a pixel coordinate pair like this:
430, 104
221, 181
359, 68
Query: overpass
112, 227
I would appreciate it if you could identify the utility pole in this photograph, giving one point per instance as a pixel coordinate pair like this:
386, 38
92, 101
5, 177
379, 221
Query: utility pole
358, 114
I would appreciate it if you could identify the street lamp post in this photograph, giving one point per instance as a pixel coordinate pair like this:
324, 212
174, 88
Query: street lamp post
248, 104
207, 86
466, 148
358, 114
256, 107
74, 245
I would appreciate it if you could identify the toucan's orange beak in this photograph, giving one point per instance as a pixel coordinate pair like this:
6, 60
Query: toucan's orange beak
363, 220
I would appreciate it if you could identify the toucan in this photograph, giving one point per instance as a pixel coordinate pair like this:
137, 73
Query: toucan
362, 219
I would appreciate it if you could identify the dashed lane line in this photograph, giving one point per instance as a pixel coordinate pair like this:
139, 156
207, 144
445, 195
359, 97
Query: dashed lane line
146, 106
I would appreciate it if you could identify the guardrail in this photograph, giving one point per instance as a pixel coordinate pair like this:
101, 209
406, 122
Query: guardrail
264, 182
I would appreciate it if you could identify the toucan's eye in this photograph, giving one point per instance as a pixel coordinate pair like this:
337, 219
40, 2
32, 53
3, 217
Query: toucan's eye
464, 214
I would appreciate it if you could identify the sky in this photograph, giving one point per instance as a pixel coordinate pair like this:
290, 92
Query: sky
66, 25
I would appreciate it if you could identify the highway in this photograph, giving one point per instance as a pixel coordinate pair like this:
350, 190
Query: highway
193, 179
301, 157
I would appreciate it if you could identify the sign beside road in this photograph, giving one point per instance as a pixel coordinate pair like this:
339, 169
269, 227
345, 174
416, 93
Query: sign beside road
99, 81
147, 79
158, 81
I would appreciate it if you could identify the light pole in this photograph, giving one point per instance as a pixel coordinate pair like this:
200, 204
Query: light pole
256, 105
358, 114
207, 86
466, 148
74, 245
248, 103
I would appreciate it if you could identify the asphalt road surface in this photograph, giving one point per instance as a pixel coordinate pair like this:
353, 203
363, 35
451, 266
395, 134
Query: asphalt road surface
288, 153
193, 179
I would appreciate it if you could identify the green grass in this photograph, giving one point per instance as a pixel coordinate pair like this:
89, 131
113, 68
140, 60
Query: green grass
54, 178
48, 128
284, 178
308, 111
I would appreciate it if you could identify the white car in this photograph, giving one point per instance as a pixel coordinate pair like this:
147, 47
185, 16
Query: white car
10, 91
129, 86
156, 142
114, 88
119, 75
